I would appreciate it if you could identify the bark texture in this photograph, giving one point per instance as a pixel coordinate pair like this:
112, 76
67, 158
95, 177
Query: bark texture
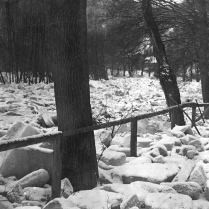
203, 52
68, 40
165, 73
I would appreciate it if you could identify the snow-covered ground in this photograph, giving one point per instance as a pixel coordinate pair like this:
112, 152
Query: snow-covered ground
110, 100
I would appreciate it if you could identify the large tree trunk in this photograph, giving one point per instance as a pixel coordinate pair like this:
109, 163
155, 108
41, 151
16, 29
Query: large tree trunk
166, 74
71, 78
203, 50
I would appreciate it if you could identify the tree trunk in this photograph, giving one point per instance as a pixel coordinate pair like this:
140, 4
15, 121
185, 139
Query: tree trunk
68, 41
166, 74
203, 50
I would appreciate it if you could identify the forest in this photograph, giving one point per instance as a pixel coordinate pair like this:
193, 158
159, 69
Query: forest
123, 85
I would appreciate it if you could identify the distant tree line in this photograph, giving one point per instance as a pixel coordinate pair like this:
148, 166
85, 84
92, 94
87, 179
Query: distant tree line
118, 39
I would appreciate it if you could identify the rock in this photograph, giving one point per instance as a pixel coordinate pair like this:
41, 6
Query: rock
143, 142
4, 203
190, 154
159, 159
103, 136
150, 172
37, 194
60, 203
177, 159
20, 129
198, 175
152, 188
128, 193
185, 171
22, 161
175, 133
197, 143
47, 120
168, 201
162, 149
32, 203
152, 153
118, 148
113, 158
168, 142
207, 190
28, 207
140, 160
200, 204
185, 149
105, 177
2, 133
89, 199
192, 189
35, 179
180, 128
104, 166
188, 138
131, 201
204, 156
66, 188
122, 141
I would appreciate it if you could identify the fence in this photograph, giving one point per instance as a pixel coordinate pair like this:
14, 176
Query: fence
56, 137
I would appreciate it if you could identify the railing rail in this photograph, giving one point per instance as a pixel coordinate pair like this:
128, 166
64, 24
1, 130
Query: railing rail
57, 136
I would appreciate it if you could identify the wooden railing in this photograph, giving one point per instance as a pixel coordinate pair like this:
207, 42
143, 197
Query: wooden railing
57, 136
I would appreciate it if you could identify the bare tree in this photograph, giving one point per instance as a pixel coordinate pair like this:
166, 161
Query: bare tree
165, 73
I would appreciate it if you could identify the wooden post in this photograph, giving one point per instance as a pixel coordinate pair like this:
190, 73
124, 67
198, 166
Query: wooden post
133, 144
193, 116
57, 168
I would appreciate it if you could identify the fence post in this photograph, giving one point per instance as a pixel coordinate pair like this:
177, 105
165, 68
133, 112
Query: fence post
193, 116
133, 144
57, 168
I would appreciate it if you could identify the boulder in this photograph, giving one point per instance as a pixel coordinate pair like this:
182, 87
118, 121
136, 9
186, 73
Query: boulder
66, 188
168, 201
200, 204
198, 175
188, 138
104, 166
35, 179
47, 120
185, 171
183, 128
28, 207
22, 161
4, 203
185, 148
103, 136
37, 194
118, 148
150, 172
123, 141
143, 142
175, 133
105, 177
20, 129
113, 158
191, 153
192, 189
162, 149
131, 201
88, 199
198, 144
139, 160
60, 203
152, 188
204, 156
168, 142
